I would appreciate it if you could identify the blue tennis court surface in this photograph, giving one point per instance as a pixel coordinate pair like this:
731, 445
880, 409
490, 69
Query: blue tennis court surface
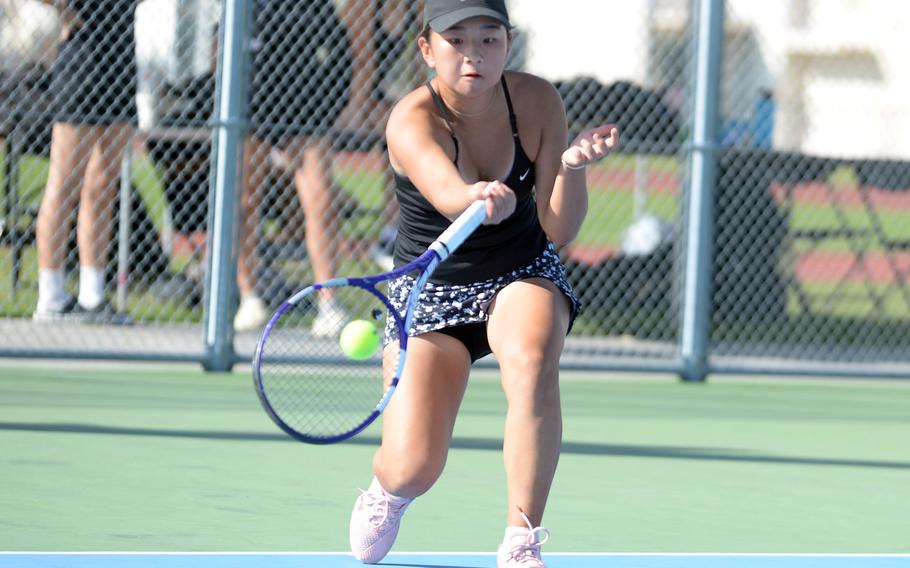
447, 560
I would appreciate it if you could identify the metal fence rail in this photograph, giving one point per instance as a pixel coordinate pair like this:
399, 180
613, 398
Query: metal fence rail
191, 162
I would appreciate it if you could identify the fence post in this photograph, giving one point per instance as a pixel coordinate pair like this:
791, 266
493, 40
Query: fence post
697, 289
124, 228
228, 132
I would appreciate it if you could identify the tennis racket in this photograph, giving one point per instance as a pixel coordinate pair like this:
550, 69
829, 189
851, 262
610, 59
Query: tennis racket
306, 382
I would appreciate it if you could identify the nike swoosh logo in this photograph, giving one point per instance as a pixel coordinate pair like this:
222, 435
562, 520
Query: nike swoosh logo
524, 175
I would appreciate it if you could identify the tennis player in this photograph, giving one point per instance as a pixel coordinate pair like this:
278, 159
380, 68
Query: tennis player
476, 131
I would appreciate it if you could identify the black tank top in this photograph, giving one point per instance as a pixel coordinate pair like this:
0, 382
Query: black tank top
493, 250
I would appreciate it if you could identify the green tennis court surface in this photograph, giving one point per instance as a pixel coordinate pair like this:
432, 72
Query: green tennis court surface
136, 458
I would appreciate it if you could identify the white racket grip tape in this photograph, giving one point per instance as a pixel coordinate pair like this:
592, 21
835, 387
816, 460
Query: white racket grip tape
460, 229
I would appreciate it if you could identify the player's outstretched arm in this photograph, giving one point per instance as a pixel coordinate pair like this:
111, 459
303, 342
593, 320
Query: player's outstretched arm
562, 193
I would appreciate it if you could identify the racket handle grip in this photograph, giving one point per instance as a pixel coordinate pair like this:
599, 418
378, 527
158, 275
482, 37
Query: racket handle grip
460, 229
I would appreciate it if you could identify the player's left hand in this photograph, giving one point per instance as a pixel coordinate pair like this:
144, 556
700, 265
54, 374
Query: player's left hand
591, 145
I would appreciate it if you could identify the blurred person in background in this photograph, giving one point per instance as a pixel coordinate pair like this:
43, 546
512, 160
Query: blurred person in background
380, 33
93, 87
301, 77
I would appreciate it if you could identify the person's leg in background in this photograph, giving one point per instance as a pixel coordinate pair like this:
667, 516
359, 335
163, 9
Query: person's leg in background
252, 312
310, 161
71, 148
359, 114
372, 26
383, 249
315, 185
94, 230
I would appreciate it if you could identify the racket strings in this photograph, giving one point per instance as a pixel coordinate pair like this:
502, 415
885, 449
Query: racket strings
308, 380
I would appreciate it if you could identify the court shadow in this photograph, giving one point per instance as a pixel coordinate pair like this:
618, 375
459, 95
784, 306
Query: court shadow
466, 443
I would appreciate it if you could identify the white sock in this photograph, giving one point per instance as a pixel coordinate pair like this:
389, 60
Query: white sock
51, 294
393, 499
91, 287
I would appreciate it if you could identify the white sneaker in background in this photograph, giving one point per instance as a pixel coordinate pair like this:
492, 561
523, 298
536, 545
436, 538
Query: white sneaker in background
251, 314
330, 319
55, 311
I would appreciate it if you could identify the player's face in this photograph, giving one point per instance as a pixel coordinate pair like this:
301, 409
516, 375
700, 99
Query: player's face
470, 56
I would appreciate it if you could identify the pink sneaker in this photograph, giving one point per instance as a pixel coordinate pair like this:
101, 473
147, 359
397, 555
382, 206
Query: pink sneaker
521, 546
374, 523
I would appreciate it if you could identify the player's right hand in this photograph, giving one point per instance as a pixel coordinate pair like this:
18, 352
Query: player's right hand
499, 198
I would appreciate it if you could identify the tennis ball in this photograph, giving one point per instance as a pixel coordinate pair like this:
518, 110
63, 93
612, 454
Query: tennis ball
359, 339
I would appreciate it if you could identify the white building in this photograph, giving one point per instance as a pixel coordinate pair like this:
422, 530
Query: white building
836, 67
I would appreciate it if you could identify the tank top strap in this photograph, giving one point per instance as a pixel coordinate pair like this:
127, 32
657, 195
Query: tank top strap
513, 120
441, 105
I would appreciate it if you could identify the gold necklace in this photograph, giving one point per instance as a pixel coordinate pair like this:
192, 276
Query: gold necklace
461, 114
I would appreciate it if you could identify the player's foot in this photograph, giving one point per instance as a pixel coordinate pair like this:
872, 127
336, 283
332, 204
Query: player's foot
72, 311
374, 523
251, 313
102, 314
330, 319
55, 313
521, 546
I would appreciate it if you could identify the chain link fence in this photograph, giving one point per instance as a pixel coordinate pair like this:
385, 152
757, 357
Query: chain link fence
108, 118
813, 191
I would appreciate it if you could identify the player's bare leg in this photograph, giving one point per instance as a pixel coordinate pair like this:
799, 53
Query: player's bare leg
418, 423
416, 433
527, 328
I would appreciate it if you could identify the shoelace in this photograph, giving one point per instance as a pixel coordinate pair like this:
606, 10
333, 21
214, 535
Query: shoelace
379, 506
528, 553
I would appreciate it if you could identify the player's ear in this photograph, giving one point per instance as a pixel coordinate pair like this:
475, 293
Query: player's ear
424, 44
510, 40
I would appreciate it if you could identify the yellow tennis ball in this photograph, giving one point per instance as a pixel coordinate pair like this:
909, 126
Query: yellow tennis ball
359, 339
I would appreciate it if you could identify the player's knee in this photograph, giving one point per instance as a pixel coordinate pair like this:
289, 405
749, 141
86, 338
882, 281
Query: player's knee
530, 377
527, 360
412, 476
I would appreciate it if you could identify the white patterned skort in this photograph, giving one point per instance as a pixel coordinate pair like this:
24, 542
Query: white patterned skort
451, 305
